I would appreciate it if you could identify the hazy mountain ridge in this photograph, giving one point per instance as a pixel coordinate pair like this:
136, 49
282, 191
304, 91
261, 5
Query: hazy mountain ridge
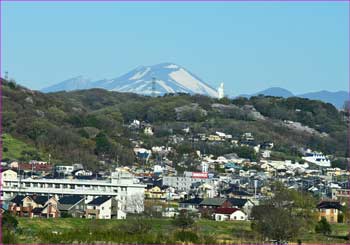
337, 98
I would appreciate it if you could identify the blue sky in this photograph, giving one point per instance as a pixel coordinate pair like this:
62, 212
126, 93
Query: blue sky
300, 46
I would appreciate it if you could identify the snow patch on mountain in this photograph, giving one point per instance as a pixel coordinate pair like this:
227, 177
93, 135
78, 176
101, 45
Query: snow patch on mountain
140, 74
172, 66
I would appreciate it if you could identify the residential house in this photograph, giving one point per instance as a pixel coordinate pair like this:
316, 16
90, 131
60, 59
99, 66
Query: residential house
204, 190
34, 206
170, 212
214, 137
222, 214
208, 205
267, 145
72, 205
155, 192
148, 130
330, 210
8, 175
190, 204
104, 207
48, 211
16, 206
246, 205
34, 167
239, 194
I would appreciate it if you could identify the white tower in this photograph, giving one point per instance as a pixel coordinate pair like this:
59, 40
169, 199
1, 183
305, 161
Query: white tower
221, 93
205, 167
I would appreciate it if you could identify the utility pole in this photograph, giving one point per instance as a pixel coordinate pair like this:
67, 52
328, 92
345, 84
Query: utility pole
20, 179
48, 206
153, 87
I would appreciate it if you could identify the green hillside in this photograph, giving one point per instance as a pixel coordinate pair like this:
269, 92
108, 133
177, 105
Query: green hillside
91, 125
17, 149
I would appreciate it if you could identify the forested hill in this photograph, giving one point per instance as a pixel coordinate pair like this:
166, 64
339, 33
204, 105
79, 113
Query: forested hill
91, 125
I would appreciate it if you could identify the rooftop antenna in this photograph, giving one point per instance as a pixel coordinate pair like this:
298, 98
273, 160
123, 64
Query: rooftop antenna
153, 87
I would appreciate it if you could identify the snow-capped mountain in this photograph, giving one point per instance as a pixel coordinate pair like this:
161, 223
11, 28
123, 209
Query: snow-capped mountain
75, 83
168, 77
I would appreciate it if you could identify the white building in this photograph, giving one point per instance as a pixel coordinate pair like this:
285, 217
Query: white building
104, 207
184, 183
121, 185
157, 169
222, 214
64, 170
266, 154
317, 158
221, 93
148, 130
205, 167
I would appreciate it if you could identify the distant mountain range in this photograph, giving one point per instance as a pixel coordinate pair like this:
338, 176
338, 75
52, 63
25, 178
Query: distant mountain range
173, 78
336, 98
168, 78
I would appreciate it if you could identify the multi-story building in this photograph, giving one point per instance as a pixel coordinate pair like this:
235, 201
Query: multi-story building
121, 185
185, 182
342, 195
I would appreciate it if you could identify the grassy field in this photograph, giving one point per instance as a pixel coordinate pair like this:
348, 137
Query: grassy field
12, 148
224, 232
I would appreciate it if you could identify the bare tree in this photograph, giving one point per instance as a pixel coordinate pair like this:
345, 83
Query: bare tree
135, 203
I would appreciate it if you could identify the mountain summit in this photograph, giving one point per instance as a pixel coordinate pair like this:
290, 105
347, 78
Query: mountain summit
168, 78
75, 83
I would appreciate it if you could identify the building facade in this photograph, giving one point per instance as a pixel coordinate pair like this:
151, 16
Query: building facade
121, 186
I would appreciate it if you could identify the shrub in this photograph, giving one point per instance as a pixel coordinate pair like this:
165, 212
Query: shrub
323, 227
186, 236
